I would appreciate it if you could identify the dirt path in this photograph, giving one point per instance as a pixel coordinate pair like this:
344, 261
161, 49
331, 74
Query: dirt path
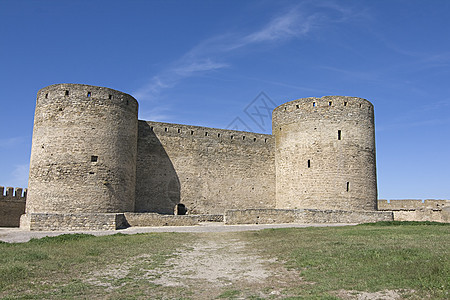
222, 265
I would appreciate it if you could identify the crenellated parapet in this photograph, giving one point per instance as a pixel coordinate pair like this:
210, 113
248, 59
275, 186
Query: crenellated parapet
412, 204
13, 194
212, 134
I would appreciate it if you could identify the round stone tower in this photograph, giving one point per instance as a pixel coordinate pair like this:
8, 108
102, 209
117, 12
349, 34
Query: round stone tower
325, 154
83, 156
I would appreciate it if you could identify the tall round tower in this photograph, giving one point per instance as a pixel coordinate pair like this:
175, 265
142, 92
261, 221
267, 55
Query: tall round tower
83, 156
325, 154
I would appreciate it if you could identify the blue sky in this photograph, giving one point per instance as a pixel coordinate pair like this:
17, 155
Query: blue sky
205, 62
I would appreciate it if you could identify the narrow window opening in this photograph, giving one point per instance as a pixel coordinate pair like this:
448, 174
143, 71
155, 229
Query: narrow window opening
128, 102
330, 103
179, 130
360, 105
309, 163
110, 97
46, 95
348, 186
285, 108
265, 140
166, 129
254, 139
345, 103
280, 128
243, 138
206, 134
151, 128
218, 135
89, 94
192, 132
67, 92
94, 158
231, 137
339, 134
314, 104
297, 106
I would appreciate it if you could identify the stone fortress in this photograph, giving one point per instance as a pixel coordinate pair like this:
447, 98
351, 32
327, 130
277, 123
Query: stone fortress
94, 165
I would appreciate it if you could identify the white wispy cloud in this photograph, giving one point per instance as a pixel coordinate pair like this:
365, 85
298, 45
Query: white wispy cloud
290, 25
199, 66
159, 113
210, 55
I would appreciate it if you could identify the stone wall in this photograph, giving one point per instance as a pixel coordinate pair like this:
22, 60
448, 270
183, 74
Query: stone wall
412, 204
12, 206
430, 215
154, 219
325, 154
269, 216
83, 156
72, 221
208, 170
417, 210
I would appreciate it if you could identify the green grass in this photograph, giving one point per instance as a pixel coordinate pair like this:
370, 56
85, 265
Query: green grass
55, 267
369, 257
229, 294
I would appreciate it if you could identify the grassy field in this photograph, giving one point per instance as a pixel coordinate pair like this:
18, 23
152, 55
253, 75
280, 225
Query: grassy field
385, 256
411, 259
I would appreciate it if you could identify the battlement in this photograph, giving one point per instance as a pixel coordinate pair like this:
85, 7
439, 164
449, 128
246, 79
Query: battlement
68, 92
13, 194
412, 204
335, 109
199, 132
326, 102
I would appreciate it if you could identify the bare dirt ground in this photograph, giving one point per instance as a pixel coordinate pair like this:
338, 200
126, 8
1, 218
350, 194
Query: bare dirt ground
221, 265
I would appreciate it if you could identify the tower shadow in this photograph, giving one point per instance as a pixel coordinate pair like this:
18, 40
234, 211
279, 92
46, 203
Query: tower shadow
157, 183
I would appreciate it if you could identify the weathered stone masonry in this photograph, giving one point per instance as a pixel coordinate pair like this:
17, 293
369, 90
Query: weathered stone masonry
83, 155
12, 205
208, 170
325, 154
95, 166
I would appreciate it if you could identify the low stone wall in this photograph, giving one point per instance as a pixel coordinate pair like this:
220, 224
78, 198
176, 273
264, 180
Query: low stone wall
154, 219
442, 216
269, 216
417, 210
72, 222
412, 204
